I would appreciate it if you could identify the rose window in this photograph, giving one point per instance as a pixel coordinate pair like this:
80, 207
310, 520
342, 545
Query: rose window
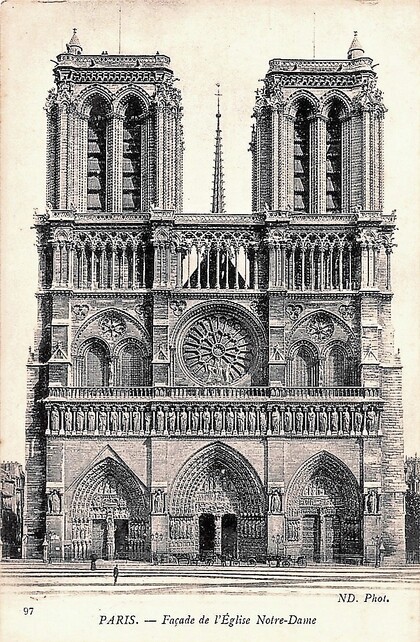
217, 350
320, 327
112, 326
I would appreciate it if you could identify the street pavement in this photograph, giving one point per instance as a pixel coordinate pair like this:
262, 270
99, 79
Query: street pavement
37, 577
67, 602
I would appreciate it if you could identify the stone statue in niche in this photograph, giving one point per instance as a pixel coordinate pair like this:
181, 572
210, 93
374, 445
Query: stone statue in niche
160, 416
147, 420
55, 419
251, 420
171, 420
102, 420
136, 420
113, 420
372, 499
91, 419
275, 420
358, 418
299, 420
323, 420
125, 420
311, 420
184, 420
287, 420
263, 420
158, 501
110, 535
195, 420
206, 420
54, 502
275, 501
346, 420
240, 418
218, 421
334, 420
229, 416
80, 419
68, 419
370, 419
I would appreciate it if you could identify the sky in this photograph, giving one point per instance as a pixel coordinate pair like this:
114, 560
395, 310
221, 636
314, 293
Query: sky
208, 42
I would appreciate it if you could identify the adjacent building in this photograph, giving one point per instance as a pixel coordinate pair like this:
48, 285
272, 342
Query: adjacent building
412, 516
210, 384
12, 480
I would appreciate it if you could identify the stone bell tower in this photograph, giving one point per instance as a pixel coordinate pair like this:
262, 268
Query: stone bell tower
317, 170
114, 154
114, 133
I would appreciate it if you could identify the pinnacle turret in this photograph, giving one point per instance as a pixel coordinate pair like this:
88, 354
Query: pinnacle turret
355, 50
74, 47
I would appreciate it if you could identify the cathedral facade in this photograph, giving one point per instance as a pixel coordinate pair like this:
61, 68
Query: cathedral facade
208, 384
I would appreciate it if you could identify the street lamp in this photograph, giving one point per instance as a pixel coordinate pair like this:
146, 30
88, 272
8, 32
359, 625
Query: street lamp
277, 540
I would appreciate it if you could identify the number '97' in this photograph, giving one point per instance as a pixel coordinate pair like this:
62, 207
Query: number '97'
28, 610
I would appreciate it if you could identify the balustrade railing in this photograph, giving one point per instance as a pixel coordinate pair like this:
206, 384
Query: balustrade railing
211, 392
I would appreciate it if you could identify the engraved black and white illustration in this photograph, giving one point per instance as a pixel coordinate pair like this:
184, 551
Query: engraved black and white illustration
203, 386
214, 398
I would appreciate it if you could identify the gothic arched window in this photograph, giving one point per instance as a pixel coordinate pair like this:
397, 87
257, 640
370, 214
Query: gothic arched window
132, 366
338, 368
301, 157
305, 368
96, 156
131, 191
334, 162
96, 365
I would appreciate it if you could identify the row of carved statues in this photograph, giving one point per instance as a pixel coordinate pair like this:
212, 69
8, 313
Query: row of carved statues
158, 505
213, 420
184, 527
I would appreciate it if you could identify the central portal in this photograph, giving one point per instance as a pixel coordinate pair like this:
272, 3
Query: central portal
229, 536
121, 538
207, 535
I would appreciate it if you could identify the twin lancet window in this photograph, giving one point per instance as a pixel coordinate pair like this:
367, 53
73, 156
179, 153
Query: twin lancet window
305, 157
99, 139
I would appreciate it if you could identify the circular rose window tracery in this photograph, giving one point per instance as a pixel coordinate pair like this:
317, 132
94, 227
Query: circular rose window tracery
217, 349
320, 327
112, 326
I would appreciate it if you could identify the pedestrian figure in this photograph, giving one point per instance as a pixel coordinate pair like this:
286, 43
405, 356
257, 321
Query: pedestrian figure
93, 563
115, 573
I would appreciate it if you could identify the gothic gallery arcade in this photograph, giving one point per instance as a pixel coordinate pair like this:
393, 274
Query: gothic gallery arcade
214, 385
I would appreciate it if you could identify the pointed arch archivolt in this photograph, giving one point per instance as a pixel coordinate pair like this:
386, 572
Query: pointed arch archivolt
297, 98
324, 475
217, 470
109, 484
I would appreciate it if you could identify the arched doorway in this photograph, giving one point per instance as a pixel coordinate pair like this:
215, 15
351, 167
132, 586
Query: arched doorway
217, 506
323, 510
207, 534
109, 514
229, 536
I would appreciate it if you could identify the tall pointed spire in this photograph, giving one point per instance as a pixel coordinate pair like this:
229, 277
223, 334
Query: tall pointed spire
218, 200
